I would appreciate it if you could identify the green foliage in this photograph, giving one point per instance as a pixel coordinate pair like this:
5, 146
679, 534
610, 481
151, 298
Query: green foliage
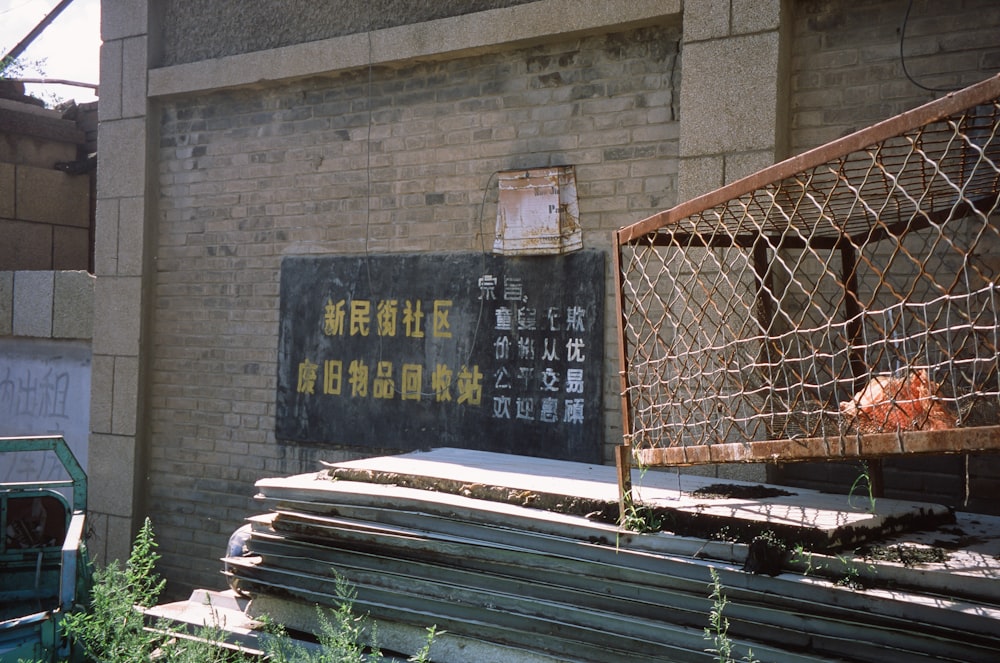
845, 572
112, 630
344, 637
864, 480
638, 517
424, 655
641, 519
718, 630
21, 67
24, 68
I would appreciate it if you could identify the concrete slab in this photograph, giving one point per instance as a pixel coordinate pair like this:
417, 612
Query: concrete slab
694, 505
210, 609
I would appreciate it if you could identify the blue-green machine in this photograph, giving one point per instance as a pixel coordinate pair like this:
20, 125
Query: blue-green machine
44, 572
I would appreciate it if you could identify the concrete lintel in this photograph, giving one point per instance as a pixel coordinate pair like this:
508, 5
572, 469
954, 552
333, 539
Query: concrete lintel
466, 34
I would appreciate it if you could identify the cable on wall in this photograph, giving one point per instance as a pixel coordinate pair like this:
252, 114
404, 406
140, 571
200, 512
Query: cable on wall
902, 58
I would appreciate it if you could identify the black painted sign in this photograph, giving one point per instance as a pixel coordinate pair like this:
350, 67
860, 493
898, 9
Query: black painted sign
463, 350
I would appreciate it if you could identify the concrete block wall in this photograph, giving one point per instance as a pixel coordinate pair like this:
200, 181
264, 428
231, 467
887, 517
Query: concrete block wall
44, 213
46, 324
45, 304
246, 177
229, 27
732, 91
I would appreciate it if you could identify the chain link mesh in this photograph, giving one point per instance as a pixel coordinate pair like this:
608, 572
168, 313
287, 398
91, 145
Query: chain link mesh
855, 296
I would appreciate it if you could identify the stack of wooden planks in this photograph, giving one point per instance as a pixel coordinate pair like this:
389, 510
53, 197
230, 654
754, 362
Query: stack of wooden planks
513, 558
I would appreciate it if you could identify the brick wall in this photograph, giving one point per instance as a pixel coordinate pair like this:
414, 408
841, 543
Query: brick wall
847, 74
846, 68
250, 176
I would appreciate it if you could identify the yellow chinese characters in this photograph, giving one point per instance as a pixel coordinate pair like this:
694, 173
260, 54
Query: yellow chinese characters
355, 317
405, 383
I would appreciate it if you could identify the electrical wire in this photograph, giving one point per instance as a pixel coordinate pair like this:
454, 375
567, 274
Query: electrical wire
902, 58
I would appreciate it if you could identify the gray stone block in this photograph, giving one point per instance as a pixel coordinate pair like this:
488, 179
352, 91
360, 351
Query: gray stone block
134, 68
106, 237
6, 302
698, 175
50, 196
117, 315
706, 19
755, 15
123, 18
125, 175
111, 465
102, 380
728, 95
33, 303
110, 107
73, 305
7, 197
125, 399
740, 165
131, 231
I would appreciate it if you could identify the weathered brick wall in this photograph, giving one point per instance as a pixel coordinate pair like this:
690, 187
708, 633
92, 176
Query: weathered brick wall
847, 74
250, 176
846, 68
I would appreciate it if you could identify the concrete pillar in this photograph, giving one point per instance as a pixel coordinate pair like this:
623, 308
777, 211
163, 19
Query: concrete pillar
733, 92
732, 108
115, 457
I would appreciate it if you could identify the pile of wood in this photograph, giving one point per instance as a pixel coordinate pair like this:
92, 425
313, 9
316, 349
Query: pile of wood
509, 582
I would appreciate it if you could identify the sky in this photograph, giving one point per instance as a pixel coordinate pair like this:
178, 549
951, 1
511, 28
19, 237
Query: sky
70, 45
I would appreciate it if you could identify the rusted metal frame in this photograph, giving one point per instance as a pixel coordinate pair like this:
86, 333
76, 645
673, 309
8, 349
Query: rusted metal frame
859, 370
623, 452
923, 220
783, 241
931, 112
843, 447
764, 282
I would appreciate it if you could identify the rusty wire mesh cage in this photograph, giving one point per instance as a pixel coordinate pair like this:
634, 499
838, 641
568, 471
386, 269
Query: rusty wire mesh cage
841, 303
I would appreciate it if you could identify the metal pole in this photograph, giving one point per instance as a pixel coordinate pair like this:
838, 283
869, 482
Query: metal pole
26, 42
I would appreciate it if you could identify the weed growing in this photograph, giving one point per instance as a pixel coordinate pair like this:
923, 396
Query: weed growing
113, 628
717, 631
864, 480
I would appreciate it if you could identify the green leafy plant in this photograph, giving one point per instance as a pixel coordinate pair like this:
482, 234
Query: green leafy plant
864, 480
22, 67
717, 631
845, 572
640, 518
344, 637
113, 628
